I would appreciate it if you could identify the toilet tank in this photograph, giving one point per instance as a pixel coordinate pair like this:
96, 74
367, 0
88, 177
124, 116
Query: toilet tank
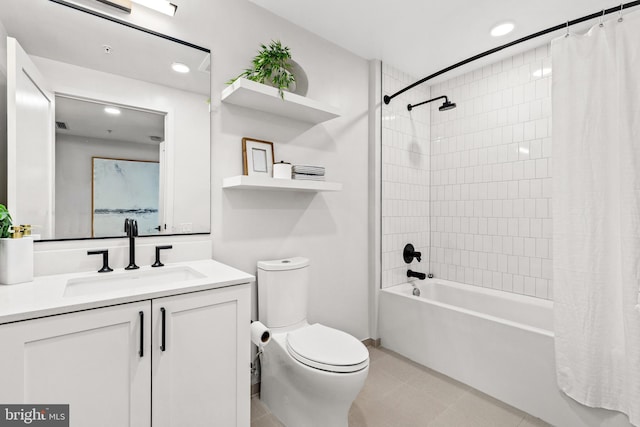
282, 291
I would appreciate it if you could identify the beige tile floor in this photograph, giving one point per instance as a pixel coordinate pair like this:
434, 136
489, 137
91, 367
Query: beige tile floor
401, 393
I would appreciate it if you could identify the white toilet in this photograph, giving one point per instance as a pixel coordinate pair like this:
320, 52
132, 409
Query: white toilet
311, 374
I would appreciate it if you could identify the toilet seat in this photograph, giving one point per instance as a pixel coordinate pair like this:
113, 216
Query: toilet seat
328, 349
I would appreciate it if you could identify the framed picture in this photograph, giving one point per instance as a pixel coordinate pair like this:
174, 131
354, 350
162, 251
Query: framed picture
257, 157
123, 188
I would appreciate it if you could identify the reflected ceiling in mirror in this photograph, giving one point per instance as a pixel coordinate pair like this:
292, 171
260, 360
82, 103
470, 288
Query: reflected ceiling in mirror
58, 31
94, 64
98, 120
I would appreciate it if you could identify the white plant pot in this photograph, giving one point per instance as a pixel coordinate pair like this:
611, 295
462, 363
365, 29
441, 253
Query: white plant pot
16, 260
301, 85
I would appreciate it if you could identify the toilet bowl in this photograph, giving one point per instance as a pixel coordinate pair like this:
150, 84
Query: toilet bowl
311, 373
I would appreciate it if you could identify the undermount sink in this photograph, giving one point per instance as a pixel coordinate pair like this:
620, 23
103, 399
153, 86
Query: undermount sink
110, 282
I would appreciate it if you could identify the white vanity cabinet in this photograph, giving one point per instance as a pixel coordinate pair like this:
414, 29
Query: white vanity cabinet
89, 360
201, 374
109, 364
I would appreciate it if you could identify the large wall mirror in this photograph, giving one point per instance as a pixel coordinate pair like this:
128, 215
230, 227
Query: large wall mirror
105, 122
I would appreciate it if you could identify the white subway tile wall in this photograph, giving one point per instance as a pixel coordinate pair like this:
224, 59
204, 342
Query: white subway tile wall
491, 177
405, 177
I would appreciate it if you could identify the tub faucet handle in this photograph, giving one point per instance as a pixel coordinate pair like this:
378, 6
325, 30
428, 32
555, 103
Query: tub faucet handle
409, 253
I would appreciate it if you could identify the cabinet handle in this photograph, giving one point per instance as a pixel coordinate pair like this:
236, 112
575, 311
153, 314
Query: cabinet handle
141, 351
164, 324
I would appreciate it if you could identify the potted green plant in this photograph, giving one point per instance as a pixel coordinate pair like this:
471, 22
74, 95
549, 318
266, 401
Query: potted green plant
5, 221
271, 66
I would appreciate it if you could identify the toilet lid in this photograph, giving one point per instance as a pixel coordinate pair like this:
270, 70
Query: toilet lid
328, 349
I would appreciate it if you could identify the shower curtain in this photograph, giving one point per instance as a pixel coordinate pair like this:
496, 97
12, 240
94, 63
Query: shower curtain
596, 215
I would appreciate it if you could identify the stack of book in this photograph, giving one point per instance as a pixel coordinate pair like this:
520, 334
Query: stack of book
312, 173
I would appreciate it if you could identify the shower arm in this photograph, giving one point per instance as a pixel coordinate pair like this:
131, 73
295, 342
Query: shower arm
387, 98
410, 107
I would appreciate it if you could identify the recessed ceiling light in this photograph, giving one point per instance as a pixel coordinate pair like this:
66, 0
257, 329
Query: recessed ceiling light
112, 110
179, 67
541, 72
502, 29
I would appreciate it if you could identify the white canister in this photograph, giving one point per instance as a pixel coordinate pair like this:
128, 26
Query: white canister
282, 170
16, 260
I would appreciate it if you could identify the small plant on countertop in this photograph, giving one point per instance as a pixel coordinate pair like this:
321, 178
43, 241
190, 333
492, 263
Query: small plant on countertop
271, 66
5, 221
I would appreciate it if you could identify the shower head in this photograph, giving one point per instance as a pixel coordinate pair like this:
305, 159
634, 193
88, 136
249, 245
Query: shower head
447, 105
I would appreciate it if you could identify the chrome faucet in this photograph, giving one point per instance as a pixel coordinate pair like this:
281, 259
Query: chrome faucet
131, 228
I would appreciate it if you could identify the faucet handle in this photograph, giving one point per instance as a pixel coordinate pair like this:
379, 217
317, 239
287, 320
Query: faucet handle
158, 249
409, 253
105, 259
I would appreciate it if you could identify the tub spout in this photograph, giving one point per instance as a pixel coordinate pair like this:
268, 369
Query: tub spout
416, 274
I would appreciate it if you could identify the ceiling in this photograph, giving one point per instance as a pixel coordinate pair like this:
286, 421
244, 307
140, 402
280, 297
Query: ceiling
421, 37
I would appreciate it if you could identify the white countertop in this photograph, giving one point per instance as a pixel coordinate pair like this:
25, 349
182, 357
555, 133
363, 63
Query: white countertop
45, 295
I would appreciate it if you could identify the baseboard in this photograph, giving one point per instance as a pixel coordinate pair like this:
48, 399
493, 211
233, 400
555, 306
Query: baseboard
370, 342
255, 389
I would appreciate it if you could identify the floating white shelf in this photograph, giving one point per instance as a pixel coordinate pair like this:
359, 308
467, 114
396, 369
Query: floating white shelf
244, 182
258, 96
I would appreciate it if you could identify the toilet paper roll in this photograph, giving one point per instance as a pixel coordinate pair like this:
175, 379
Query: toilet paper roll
260, 334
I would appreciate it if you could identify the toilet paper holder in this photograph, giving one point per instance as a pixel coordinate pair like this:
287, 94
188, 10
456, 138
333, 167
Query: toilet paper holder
260, 336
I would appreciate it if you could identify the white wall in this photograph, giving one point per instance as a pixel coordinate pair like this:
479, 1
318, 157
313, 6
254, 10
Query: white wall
185, 113
405, 177
330, 229
74, 176
491, 179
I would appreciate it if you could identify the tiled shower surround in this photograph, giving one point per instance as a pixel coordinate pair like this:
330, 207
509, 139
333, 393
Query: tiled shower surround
405, 177
490, 195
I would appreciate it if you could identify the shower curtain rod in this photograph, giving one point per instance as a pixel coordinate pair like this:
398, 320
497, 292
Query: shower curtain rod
388, 98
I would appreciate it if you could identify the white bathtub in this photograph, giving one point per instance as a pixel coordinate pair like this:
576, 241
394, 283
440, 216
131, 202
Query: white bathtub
497, 342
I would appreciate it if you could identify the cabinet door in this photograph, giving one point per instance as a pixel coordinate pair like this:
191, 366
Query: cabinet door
90, 360
201, 375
